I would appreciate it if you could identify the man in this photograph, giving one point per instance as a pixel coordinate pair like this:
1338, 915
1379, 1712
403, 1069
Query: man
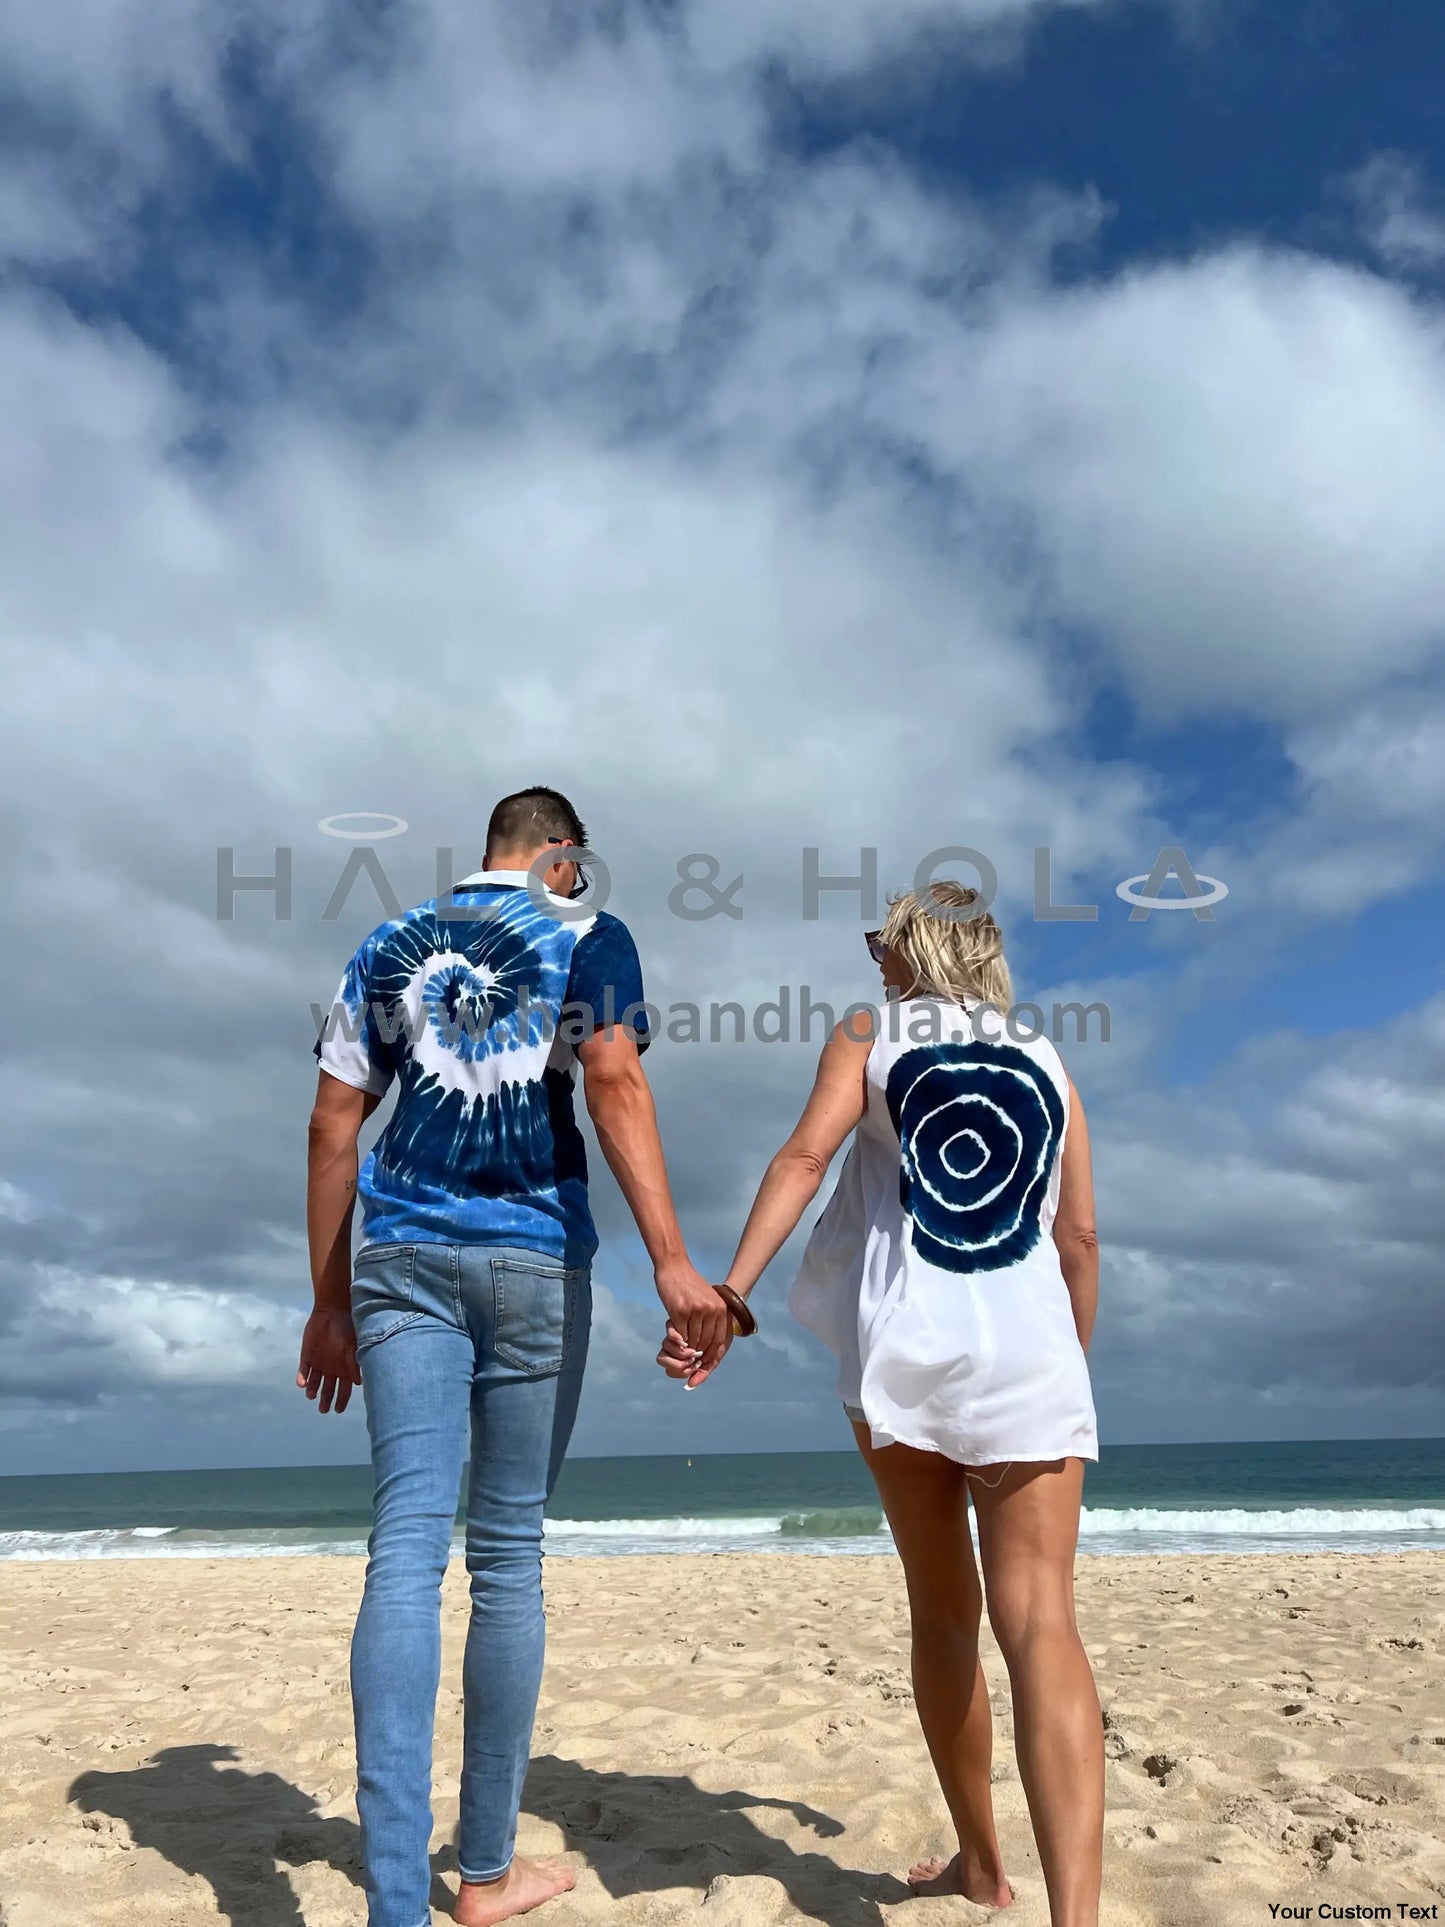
471, 1307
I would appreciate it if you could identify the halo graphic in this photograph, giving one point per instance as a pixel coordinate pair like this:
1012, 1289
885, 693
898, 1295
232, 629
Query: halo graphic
328, 826
1130, 892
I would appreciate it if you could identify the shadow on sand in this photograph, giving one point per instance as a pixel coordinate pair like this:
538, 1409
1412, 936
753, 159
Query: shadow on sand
232, 1828
641, 1833
638, 1833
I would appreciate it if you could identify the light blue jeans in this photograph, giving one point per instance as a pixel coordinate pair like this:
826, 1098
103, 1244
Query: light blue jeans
452, 1337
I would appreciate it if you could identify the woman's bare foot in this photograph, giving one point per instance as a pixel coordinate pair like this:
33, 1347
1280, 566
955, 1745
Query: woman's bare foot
960, 1876
526, 1884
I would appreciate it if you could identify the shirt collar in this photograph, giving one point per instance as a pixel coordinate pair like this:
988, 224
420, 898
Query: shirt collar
504, 880
482, 879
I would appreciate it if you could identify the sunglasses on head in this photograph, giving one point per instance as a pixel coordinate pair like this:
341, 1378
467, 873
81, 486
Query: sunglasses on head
877, 949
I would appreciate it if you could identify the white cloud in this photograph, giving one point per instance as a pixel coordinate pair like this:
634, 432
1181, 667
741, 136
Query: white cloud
40, 222
1365, 818
92, 59
1233, 469
1274, 1236
747, 496
157, 1331
1401, 222
833, 37
14, 1204
425, 101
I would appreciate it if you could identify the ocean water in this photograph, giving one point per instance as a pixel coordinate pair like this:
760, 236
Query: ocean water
1361, 1495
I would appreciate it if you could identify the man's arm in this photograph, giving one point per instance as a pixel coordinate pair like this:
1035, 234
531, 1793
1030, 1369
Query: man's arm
328, 1346
619, 1102
1074, 1233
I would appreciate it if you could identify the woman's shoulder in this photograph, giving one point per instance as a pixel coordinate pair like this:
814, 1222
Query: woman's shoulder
858, 1025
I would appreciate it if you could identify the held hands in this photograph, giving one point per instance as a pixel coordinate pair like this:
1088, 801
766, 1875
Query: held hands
328, 1359
692, 1357
697, 1321
679, 1360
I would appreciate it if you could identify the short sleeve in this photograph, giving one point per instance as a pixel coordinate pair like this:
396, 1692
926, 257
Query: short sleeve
606, 979
349, 1046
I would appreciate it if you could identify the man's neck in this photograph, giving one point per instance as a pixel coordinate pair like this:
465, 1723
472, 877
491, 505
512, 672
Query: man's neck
513, 860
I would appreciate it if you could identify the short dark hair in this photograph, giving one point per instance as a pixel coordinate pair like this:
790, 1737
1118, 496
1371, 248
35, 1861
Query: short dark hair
527, 818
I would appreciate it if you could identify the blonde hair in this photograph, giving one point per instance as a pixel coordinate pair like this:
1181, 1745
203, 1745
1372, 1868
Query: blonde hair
960, 958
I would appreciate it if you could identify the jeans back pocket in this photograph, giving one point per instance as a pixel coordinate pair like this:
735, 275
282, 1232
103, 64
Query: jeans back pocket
383, 1285
536, 1311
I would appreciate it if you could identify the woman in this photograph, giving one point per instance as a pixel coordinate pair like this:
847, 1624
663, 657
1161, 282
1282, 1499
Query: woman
954, 1274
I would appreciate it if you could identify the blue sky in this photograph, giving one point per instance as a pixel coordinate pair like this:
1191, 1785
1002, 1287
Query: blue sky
1010, 424
1242, 126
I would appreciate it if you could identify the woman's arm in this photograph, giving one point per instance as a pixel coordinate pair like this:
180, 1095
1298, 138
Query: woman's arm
1074, 1233
791, 1180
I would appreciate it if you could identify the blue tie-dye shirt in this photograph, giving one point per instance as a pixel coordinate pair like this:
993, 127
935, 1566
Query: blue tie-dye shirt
476, 1020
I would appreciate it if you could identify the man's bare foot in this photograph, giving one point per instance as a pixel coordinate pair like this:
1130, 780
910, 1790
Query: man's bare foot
959, 1876
526, 1884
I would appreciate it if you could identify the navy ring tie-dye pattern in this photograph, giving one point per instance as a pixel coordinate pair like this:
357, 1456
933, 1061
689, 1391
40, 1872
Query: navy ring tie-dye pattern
979, 1124
465, 1007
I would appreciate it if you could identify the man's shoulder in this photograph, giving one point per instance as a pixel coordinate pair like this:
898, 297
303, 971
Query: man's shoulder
602, 940
607, 926
399, 941
606, 972
375, 940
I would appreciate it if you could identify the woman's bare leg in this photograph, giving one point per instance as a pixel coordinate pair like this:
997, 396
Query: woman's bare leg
1028, 1526
926, 1500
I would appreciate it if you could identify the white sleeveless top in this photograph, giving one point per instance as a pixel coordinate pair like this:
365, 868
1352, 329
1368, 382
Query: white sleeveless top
931, 1274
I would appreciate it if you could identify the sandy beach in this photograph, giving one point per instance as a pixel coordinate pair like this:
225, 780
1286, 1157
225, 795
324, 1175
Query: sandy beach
731, 1732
